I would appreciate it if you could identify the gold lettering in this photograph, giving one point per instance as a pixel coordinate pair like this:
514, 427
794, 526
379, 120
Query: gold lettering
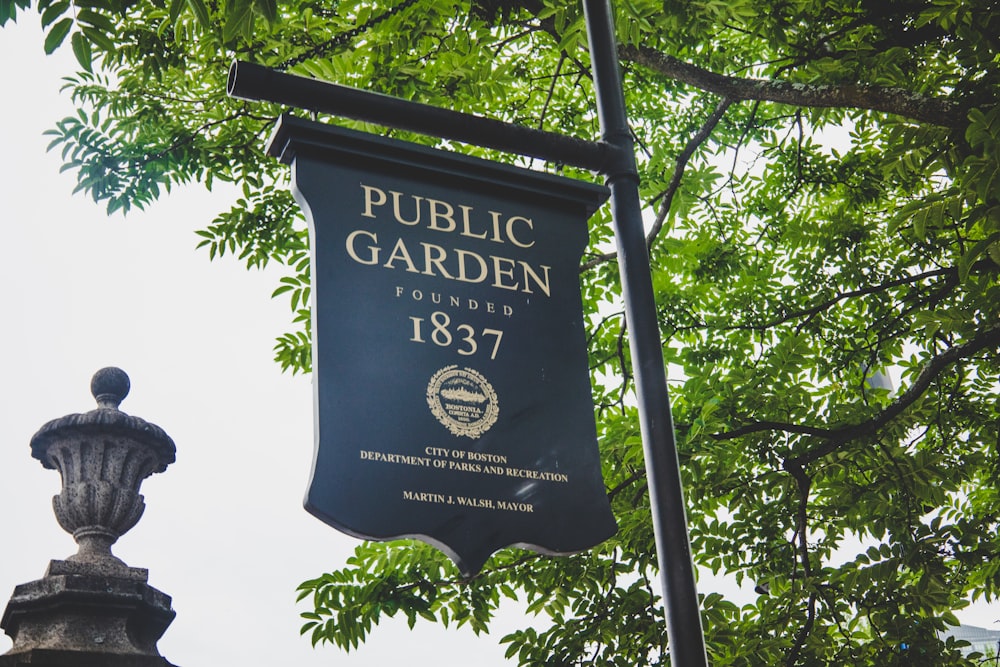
529, 272
485, 503
466, 266
510, 231
396, 212
499, 273
436, 214
462, 275
515, 229
399, 251
369, 202
515, 507
482, 456
463, 466
373, 249
434, 255
496, 227
537, 474
422, 497
465, 223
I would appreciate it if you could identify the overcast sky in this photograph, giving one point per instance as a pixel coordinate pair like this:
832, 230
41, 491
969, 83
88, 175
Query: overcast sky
224, 532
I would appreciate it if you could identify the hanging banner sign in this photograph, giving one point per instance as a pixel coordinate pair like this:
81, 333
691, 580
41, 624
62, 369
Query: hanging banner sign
450, 370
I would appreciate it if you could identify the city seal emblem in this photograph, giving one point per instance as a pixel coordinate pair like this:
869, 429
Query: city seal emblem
463, 401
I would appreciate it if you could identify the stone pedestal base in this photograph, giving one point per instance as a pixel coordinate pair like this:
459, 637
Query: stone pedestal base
86, 615
51, 658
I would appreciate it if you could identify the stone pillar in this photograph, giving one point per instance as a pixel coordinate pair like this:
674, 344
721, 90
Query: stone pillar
91, 609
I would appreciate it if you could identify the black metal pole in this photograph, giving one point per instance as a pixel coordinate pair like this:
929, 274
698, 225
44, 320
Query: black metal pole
666, 496
254, 82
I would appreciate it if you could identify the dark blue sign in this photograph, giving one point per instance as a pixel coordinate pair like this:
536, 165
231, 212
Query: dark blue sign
452, 391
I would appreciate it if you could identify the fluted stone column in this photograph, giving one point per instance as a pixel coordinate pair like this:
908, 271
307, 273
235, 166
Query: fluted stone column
91, 609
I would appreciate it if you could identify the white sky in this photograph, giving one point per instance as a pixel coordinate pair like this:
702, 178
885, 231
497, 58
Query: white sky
224, 531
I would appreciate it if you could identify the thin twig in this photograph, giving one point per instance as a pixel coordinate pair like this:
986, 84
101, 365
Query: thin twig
680, 164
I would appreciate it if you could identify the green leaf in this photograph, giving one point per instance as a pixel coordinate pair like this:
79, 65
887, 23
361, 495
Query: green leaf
239, 19
81, 49
98, 21
99, 38
57, 34
174, 10
54, 11
267, 8
967, 260
200, 10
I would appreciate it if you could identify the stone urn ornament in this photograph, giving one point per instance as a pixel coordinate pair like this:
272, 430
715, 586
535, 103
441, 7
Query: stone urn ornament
93, 610
103, 456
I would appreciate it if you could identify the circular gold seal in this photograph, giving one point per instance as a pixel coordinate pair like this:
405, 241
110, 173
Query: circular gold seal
463, 401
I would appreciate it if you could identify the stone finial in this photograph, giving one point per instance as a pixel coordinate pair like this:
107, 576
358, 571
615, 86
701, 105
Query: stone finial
92, 609
103, 456
110, 386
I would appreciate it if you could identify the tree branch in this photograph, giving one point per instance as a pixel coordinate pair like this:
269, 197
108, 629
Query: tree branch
325, 48
680, 164
835, 437
802, 484
951, 274
803, 633
896, 101
552, 90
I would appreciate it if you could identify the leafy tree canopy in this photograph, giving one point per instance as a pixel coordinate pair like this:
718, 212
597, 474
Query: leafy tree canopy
823, 182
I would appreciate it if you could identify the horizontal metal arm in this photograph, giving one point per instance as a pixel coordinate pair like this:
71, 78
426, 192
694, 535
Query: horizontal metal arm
253, 82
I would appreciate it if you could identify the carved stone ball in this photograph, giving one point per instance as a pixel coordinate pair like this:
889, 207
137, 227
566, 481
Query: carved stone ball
110, 386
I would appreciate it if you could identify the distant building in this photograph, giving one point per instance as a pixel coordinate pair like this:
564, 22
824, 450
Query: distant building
980, 639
